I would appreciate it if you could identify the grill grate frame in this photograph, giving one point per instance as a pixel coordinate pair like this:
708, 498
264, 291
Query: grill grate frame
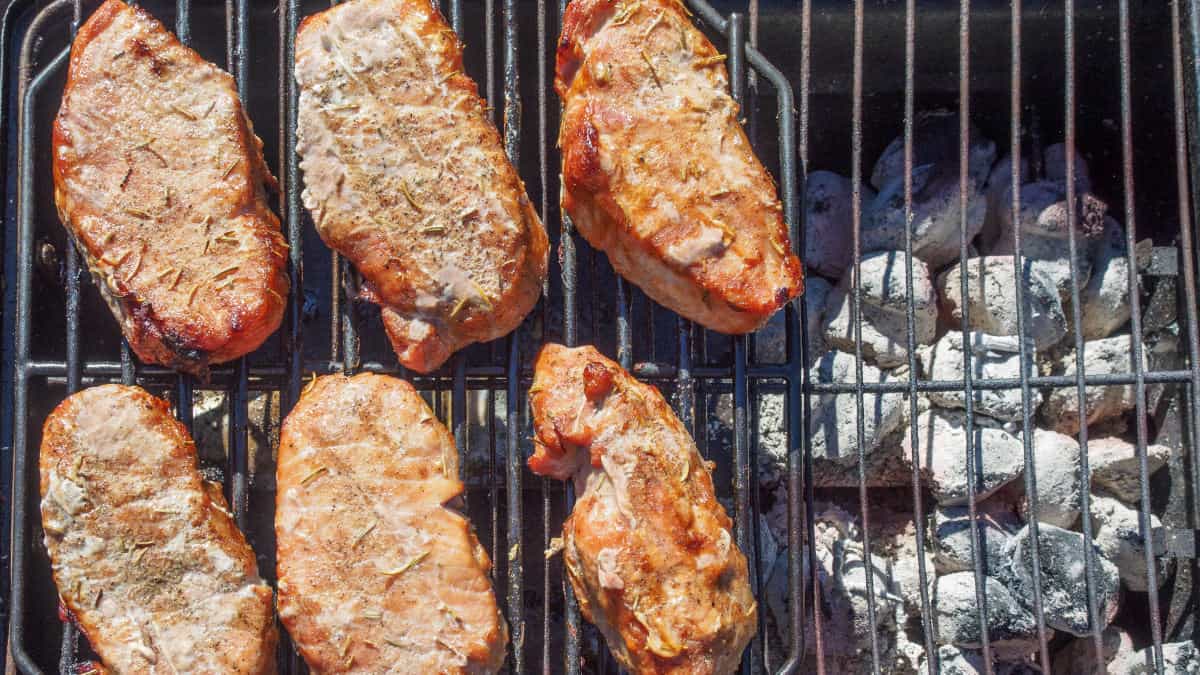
507, 370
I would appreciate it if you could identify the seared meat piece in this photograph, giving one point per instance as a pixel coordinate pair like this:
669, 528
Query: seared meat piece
648, 549
144, 551
658, 173
406, 177
376, 573
159, 179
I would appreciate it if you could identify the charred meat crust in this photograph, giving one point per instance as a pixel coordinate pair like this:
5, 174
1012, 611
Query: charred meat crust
696, 226
161, 325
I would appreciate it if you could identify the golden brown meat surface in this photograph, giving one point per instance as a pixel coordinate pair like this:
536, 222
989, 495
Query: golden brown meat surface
159, 179
376, 574
648, 549
144, 551
658, 173
406, 176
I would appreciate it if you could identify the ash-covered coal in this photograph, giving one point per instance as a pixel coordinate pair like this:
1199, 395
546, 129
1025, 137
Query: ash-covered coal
1020, 437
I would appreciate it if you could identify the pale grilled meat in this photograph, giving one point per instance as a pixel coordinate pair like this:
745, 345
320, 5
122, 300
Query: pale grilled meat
657, 172
160, 179
647, 548
376, 573
145, 553
406, 176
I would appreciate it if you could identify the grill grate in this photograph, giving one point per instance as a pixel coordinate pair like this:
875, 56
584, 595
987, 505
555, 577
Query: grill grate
487, 372
694, 366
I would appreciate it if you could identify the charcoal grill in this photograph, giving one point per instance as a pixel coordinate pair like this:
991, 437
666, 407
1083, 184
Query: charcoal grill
860, 73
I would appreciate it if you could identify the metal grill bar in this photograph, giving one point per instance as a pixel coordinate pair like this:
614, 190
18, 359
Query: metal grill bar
744, 526
910, 318
799, 463
964, 125
28, 88
1135, 322
550, 528
1023, 356
268, 377
856, 160
572, 661
1077, 322
514, 460
1186, 221
292, 345
70, 637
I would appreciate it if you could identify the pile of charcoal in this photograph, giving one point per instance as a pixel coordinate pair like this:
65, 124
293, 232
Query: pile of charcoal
1044, 281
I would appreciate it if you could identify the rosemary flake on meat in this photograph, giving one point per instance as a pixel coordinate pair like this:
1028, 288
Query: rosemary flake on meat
138, 267
146, 145
312, 475
363, 533
184, 112
650, 65
624, 12
658, 18
711, 60
409, 197
406, 566
225, 272
458, 306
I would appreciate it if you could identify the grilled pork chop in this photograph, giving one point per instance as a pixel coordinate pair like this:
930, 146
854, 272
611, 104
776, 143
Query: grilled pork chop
658, 173
159, 179
406, 177
648, 549
376, 574
144, 551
